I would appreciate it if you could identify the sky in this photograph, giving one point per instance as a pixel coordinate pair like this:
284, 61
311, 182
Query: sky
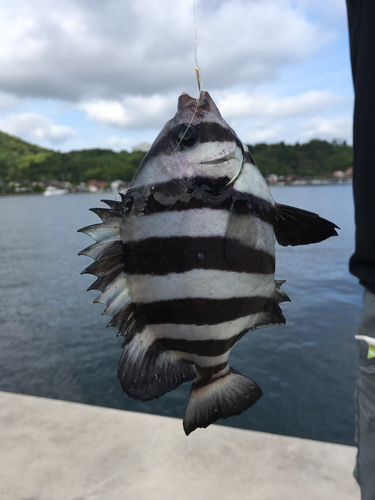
81, 74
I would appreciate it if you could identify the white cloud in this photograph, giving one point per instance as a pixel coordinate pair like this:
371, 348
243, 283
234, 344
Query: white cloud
249, 42
117, 143
339, 128
328, 11
244, 105
296, 129
81, 49
299, 118
132, 112
36, 128
123, 65
141, 112
265, 133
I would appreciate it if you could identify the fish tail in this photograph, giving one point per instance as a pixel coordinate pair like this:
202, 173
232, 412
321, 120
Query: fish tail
223, 396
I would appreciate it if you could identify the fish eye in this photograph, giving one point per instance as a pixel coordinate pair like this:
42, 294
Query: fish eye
186, 135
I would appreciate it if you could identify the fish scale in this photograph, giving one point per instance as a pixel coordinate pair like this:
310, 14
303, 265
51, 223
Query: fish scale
186, 260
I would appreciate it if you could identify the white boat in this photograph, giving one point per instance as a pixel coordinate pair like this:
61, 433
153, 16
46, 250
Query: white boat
52, 191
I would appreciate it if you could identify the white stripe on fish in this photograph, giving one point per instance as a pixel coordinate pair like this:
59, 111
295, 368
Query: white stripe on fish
197, 283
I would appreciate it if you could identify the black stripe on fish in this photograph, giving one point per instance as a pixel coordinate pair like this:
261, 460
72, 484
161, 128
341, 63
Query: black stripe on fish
193, 193
208, 348
206, 132
130, 324
177, 194
199, 347
206, 374
199, 311
247, 157
161, 256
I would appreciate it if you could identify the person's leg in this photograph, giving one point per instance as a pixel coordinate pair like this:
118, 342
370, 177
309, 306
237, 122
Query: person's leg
365, 402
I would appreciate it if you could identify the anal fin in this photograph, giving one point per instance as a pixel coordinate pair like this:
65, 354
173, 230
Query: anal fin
148, 371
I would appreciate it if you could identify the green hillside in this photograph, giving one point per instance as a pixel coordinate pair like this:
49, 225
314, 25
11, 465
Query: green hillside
315, 158
80, 166
21, 161
17, 155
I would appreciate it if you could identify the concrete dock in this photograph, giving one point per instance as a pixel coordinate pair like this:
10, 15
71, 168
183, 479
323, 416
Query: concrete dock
55, 450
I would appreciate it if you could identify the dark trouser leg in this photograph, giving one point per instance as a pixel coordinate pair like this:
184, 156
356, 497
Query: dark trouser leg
365, 403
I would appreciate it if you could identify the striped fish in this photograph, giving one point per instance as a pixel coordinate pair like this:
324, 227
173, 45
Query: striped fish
185, 263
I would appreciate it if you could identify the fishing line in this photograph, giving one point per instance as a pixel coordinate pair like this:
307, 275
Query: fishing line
197, 72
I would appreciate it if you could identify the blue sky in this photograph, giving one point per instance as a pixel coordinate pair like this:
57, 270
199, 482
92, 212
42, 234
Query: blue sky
107, 73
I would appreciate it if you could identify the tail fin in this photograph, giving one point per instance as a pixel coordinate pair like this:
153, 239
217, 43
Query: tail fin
223, 397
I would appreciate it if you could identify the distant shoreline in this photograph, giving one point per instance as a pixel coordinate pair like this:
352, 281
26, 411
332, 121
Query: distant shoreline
276, 184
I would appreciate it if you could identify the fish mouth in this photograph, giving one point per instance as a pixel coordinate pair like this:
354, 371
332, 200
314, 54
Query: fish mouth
226, 158
221, 159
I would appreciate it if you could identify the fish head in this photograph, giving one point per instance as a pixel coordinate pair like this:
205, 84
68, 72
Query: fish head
195, 143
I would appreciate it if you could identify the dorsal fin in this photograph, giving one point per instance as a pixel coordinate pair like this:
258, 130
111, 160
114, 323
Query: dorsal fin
294, 226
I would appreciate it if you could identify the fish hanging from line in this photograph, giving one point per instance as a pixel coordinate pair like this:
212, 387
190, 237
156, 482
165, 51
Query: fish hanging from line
185, 263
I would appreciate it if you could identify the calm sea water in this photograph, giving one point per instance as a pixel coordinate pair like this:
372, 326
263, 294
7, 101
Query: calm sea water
54, 342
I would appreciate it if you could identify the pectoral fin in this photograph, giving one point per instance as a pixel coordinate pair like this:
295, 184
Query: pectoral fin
294, 226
